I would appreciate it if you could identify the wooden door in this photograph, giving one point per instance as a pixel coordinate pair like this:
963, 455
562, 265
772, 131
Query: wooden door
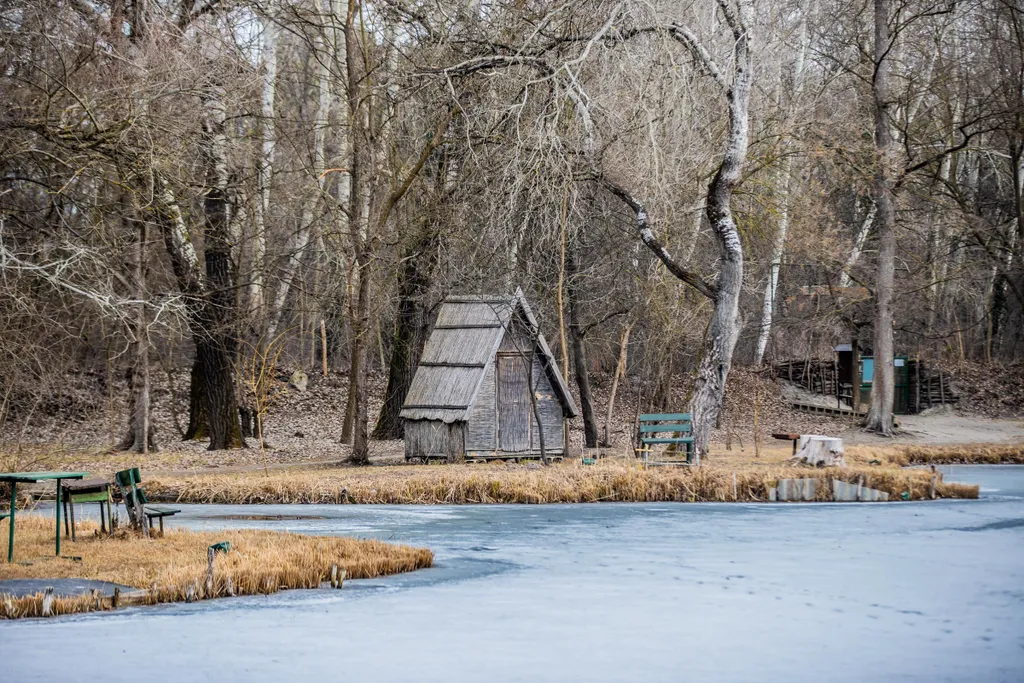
514, 410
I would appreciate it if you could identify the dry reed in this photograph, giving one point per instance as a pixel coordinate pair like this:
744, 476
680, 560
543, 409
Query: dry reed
173, 568
982, 454
567, 482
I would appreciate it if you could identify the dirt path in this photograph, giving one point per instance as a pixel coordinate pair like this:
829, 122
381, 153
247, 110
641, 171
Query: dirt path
944, 428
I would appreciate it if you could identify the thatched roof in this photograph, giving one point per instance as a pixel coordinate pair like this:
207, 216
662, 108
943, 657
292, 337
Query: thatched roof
466, 336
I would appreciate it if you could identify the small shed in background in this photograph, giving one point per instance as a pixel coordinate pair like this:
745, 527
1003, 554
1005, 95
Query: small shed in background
471, 394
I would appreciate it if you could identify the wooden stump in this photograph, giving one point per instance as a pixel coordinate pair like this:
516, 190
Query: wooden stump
819, 451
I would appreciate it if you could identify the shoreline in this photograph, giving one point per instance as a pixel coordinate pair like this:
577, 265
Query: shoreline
567, 482
900, 470
186, 565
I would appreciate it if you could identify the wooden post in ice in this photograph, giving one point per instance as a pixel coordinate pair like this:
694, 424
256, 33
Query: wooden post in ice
48, 599
337, 576
210, 552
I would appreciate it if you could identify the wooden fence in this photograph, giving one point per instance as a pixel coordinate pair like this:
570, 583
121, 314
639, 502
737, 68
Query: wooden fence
927, 385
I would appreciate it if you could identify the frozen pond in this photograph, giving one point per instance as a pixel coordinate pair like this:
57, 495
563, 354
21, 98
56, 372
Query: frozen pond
606, 592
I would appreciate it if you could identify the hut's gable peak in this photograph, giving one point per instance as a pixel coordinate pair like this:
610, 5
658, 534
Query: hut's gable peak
467, 334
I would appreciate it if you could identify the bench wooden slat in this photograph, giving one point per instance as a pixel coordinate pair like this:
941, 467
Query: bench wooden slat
679, 439
88, 497
663, 417
160, 512
667, 428
659, 423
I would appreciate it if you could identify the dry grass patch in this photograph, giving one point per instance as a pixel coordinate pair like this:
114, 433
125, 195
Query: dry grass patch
891, 455
979, 454
174, 567
567, 482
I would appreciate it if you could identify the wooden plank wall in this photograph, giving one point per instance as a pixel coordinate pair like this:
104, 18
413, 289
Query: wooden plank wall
550, 410
434, 439
929, 386
514, 408
482, 427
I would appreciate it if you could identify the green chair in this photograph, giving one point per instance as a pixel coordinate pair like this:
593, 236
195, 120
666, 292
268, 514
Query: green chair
135, 499
86, 491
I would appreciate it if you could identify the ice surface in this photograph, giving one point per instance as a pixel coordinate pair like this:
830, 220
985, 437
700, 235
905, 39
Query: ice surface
608, 592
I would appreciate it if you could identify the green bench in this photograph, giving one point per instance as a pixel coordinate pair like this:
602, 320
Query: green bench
86, 491
680, 425
131, 492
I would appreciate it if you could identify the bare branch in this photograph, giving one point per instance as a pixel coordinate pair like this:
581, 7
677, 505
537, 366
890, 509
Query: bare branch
652, 242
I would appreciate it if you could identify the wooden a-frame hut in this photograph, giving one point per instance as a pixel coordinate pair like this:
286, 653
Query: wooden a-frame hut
471, 394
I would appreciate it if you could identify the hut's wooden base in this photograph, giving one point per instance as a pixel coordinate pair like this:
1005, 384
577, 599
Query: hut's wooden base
489, 456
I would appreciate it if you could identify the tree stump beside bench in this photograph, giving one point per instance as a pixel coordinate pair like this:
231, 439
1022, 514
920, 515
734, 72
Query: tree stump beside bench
820, 451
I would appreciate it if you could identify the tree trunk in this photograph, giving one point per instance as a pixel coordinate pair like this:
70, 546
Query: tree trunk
210, 301
348, 425
140, 436
414, 279
620, 372
716, 358
998, 308
358, 332
879, 418
778, 249
360, 165
579, 351
357, 387
197, 429
317, 181
268, 135
534, 407
858, 245
661, 396
724, 329
214, 330
217, 371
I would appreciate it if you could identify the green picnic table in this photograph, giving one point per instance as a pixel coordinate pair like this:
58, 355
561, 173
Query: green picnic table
14, 478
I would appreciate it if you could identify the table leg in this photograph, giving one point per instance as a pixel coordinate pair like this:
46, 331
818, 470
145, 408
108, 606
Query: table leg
67, 531
58, 517
10, 534
69, 512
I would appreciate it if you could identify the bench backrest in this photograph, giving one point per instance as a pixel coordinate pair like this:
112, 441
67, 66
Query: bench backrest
653, 423
129, 480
